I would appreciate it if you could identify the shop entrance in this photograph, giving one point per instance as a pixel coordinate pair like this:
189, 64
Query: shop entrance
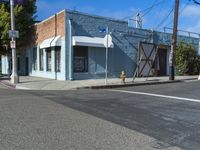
162, 60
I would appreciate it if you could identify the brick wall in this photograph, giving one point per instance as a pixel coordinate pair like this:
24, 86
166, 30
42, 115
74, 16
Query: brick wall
48, 28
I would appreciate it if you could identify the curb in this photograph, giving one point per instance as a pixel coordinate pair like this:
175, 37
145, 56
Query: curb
22, 88
128, 85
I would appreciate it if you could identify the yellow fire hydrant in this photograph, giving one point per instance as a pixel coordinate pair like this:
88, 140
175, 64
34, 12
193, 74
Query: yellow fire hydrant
123, 76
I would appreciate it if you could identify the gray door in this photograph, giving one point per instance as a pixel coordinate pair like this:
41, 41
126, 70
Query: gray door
162, 57
146, 57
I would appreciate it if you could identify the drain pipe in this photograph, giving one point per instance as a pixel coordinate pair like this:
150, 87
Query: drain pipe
70, 50
55, 34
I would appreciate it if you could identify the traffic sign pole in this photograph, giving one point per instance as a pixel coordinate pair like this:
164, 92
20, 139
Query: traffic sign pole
14, 76
106, 63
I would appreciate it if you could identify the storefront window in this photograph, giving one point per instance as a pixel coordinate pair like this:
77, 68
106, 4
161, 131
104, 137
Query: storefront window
80, 59
48, 52
41, 60
58, 58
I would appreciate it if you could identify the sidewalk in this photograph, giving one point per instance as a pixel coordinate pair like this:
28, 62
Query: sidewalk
35, 83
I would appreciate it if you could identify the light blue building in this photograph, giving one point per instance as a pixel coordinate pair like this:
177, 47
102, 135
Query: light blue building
76, 49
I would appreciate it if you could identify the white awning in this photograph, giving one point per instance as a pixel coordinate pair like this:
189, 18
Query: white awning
51, 42
91, 41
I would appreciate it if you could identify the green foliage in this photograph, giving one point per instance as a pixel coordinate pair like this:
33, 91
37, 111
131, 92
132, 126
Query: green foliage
4, 28
24, 18
187, 60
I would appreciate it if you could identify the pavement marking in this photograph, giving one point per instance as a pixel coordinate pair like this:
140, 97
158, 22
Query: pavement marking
157, 95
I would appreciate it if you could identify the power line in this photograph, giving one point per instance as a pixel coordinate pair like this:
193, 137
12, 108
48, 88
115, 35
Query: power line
180, 13
196, 2
164, 19
158, 14
147, 10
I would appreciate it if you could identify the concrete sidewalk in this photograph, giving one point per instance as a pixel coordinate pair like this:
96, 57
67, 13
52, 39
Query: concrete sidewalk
35, 83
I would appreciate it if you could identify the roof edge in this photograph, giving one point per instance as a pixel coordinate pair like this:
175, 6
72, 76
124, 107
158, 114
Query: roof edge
45, 20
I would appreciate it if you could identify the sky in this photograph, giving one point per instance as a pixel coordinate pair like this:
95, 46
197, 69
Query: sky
189, 13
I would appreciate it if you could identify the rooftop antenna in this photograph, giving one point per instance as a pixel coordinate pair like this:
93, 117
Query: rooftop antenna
138, 21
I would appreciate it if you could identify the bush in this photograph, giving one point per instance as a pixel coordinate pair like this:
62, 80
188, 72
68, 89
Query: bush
187, 60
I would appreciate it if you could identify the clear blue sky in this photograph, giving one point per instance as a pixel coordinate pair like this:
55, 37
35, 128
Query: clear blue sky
123, 9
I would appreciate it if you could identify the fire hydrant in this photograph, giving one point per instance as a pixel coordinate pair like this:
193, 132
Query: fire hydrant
123, 76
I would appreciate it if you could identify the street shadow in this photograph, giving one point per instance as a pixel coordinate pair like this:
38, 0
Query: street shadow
141, 115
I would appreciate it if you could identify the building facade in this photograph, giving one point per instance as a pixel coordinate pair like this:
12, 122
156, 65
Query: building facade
71, 45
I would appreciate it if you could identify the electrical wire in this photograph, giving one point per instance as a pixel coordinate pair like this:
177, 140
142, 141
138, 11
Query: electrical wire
148, 10
180, 13
164, 19
196, 2
158, 14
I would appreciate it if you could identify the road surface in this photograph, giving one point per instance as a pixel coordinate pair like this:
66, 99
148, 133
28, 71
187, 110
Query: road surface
165, 116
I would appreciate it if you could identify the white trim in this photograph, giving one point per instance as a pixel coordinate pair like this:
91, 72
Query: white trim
49, 18
90, 41
51, 42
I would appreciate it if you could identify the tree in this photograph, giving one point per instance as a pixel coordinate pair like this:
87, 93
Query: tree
24, 19
4, 27
187, 59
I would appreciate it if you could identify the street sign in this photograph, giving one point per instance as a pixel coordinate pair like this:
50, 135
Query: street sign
13, 34
108, 41
12, 44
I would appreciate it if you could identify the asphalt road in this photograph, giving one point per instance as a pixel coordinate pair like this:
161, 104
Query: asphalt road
163, 116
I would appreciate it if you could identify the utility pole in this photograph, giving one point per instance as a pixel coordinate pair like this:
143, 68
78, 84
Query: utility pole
14, 76
174, 41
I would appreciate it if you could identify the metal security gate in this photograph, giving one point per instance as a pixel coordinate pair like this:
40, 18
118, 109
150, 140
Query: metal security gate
147, 53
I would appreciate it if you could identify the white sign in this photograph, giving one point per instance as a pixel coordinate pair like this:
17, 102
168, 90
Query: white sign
12, 44
13, 34
108, 38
